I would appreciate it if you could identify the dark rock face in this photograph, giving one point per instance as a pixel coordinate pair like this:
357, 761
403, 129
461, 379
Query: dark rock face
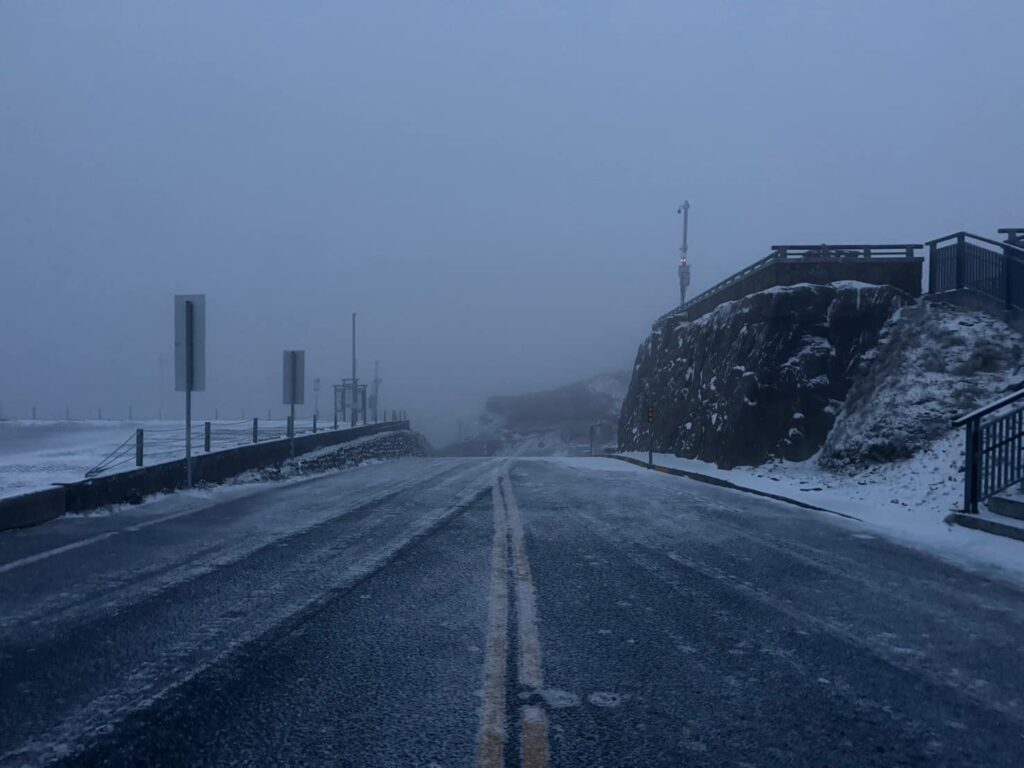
759, 378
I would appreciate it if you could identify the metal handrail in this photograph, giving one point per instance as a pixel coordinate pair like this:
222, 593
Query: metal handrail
984, 411
998, 243
869, 248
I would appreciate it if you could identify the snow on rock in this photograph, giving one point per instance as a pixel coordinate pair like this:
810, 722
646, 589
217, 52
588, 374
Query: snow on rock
934, 361
739, 375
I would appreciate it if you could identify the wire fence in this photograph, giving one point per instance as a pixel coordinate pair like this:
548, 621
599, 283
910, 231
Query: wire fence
164, 441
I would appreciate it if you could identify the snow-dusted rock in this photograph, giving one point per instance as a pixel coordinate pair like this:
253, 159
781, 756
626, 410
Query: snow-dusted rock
934, 361
757, 378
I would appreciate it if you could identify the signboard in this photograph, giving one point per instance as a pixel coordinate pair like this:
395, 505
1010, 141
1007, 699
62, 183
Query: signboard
294, 377
182, 345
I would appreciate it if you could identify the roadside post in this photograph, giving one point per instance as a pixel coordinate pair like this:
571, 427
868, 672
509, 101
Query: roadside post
650, 437
189, 360
294, 387
138, 447
206, 437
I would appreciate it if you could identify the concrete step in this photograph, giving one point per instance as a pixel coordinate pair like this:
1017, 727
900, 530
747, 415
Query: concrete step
986, 521
1007, 507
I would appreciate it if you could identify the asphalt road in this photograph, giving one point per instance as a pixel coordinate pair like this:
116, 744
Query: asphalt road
470, 612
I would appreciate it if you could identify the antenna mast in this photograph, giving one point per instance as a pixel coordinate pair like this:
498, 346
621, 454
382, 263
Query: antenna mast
684, 264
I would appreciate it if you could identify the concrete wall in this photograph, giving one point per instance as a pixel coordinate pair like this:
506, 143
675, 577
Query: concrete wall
31, 508
134, 485
904, 274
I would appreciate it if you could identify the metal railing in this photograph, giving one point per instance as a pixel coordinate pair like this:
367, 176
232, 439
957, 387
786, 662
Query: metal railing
1014, 235
964, 261
993, 449
816, 252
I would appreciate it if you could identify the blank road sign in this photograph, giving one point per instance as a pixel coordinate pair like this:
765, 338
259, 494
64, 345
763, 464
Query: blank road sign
198, 342
294, 376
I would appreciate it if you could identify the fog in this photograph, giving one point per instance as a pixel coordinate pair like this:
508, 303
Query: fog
492, 187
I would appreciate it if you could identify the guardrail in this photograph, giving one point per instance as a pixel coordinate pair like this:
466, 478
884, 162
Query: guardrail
993, 449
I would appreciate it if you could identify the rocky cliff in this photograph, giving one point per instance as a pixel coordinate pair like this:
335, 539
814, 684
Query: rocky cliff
758, 378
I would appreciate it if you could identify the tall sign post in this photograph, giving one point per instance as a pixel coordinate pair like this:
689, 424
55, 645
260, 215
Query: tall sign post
294, 387
189, 360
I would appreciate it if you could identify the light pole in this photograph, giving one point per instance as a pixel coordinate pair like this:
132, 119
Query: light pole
684, 264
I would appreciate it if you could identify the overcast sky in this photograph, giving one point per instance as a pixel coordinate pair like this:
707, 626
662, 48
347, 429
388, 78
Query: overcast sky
491, 186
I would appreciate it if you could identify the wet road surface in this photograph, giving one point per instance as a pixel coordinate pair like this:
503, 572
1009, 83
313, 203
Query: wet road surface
487, 612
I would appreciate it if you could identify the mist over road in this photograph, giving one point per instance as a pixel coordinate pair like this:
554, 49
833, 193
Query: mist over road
461, 612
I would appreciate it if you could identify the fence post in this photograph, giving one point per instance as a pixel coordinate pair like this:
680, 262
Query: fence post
972, 435
206, 436
961, 257
933, 250
255, 429
138, 447
314, 423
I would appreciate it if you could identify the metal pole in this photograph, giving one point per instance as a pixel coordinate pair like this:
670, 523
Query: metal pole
355, 381
291, 421
255, 428
206, 436
138, 447
188, 393
376, 388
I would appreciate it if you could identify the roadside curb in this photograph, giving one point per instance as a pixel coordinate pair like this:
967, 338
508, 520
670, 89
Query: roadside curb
986, 524
711, 480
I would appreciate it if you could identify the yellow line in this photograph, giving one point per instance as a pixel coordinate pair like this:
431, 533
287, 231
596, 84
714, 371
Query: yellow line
490, 744
534, 722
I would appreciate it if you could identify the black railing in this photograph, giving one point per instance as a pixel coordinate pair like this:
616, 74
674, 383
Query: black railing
993, 449
818, 252
1014, 235
962, 261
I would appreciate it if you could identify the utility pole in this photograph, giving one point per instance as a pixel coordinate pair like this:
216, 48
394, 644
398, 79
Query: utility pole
684, 264
376, 388
355, 381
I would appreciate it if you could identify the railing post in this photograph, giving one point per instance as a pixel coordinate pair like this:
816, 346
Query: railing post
933, 251
138, 447
1007, 291
971, 461
206, 436
255, 429
961, 257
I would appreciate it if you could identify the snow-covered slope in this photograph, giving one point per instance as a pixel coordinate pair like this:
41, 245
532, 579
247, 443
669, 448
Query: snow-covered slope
934, 361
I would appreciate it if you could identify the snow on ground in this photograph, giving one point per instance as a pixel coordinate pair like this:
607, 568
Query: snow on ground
907, 501
37, 454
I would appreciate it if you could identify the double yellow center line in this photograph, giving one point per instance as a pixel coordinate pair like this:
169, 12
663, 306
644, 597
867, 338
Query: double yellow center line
509, 544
